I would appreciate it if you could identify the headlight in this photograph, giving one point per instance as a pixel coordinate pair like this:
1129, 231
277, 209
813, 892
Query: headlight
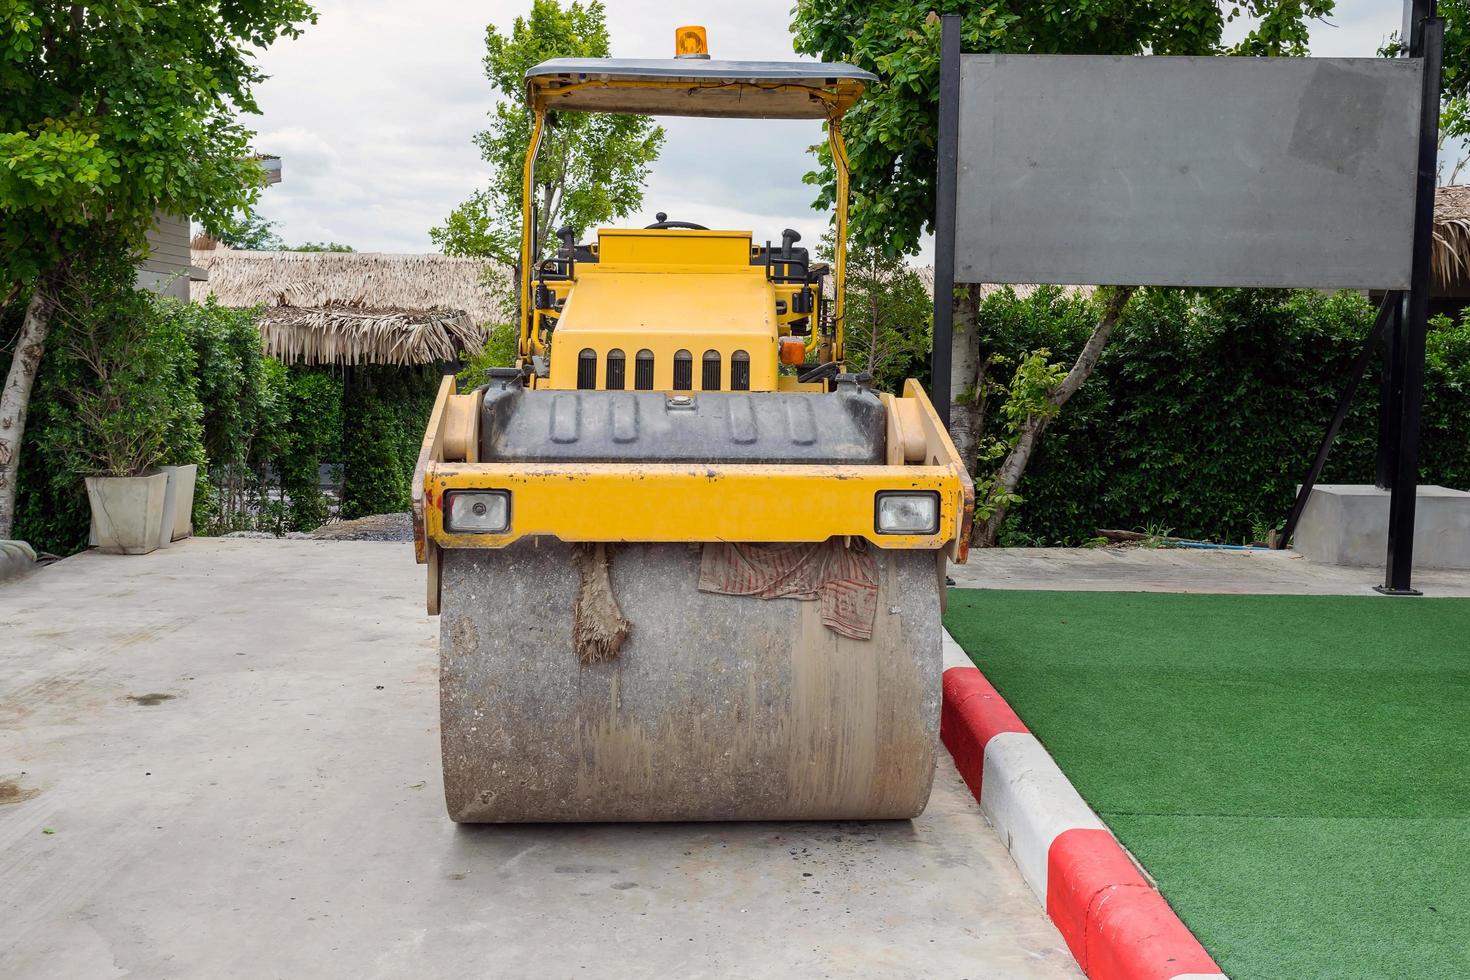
900, 512
477, 511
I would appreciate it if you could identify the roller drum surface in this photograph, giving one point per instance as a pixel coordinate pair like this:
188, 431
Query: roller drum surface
717, 707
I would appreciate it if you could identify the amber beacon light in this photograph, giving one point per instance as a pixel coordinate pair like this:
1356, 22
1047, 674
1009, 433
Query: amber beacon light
690, 42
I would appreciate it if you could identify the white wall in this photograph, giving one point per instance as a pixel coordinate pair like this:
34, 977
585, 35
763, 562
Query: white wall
166, 268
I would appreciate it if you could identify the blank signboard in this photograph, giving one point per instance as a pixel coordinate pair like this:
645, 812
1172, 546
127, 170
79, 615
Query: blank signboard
1187, 171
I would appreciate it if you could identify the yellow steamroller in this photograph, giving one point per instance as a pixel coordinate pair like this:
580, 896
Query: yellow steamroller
687, 565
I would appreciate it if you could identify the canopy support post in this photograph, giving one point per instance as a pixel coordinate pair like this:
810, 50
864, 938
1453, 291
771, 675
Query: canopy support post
528, 341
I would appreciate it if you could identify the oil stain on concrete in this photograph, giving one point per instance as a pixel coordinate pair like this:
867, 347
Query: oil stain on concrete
149, 700
11, 792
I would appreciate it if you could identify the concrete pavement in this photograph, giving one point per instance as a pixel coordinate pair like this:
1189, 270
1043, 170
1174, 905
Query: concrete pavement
221, 760
1182, 570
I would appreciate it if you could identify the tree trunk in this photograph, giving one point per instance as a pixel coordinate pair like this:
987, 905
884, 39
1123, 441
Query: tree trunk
1008, 477
551, 198
30, 345
964, 368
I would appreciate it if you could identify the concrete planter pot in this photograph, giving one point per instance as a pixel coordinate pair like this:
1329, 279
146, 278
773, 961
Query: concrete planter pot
127, 512
178, 503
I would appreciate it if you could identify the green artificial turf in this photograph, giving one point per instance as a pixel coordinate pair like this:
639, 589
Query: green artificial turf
1294, 771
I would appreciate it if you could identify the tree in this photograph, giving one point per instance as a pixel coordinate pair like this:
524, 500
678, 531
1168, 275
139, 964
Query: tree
319, 247
1454, 117
1454, 105
891, 133
591, 167
250, 232
888, 316
1036, 395
115, 111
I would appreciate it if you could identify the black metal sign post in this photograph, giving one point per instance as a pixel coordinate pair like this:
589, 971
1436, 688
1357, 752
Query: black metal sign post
945, 196
1388, 421
978, 208
1426, 41
1383, 326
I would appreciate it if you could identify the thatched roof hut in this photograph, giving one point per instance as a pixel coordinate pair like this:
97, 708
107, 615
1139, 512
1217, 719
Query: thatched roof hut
1452, 240
345, 308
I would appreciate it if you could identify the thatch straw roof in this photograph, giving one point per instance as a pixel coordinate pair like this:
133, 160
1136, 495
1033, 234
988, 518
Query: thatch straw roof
358, 307
1452, 238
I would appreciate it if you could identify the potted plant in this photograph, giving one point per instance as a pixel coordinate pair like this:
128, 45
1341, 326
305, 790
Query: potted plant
132, 407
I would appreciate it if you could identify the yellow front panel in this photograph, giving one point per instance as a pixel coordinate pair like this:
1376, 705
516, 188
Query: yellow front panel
665, 312
673, 246
665, 502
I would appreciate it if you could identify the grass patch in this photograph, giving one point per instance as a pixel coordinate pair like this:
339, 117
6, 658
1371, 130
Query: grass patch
1293, 770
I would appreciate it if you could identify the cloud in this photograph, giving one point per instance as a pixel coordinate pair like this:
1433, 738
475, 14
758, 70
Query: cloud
372, 111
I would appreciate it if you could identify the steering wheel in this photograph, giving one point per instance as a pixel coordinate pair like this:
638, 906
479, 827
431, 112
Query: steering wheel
664, 222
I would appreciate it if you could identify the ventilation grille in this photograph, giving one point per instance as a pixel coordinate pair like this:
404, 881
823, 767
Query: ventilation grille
587, 369
617, 370
740, 371
643, 371
711, 378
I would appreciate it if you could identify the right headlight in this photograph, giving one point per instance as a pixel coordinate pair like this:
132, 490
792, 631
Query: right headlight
477, 511
907, 512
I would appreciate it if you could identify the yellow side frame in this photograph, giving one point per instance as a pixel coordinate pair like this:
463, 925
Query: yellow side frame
680, 502
693, 502
673, 502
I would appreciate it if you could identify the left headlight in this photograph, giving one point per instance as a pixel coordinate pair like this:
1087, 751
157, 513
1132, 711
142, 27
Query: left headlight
477, 511
907, 512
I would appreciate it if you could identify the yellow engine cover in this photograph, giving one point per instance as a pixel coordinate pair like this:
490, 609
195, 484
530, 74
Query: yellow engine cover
664, 291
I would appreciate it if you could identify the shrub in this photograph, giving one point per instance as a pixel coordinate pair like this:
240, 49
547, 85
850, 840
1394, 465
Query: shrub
131, 403
186, 382
115, 395
245, 420
499, 352
315, 407
267, 427
52, 512
384, 412
888, 318
1207, 408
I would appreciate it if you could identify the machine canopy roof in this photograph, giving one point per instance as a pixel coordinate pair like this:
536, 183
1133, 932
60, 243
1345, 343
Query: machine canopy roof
696, 87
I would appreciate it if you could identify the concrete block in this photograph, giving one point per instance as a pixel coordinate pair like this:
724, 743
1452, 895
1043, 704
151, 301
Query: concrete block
1346, 524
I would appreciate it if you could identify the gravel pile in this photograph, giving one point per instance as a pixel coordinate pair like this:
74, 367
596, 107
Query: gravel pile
266, 535
378, 527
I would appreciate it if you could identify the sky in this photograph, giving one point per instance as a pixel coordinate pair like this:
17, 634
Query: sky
372, 111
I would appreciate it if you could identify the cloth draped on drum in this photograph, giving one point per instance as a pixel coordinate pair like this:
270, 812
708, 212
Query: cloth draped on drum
842, 575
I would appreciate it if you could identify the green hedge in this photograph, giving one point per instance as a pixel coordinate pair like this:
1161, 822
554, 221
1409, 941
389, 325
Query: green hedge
384, 415
267, 427
1206, 410
260, 430
499, 352
314, 404
116, 393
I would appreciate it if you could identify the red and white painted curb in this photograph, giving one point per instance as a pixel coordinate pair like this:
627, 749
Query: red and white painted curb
1115, 923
